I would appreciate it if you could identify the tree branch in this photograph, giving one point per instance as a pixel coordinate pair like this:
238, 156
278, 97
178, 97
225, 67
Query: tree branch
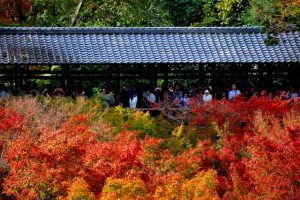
77, 13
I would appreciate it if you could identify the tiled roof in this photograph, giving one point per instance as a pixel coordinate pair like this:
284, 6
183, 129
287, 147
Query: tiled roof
144, 45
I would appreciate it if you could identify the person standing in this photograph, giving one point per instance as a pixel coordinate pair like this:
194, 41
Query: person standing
206, 96
4, 94
151, 97
233, 92
185, 101
133, 100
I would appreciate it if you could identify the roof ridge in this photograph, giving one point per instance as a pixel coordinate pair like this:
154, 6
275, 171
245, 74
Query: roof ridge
128, 30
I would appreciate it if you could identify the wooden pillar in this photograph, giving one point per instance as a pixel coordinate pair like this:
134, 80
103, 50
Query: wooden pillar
68, 79
63, 77
293, 73
213, 78
21, 77
10, 73
261, 68
269, 77
117, 83
153, 69
109, 74
200, 73
166, 77
17, 82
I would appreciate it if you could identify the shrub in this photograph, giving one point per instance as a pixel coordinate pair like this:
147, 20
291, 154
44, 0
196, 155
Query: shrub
202, 186
45, 167
42, 113
171, 189
79, 190
128, 119
123, 189
274, 164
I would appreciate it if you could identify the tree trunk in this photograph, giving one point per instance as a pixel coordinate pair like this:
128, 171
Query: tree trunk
77, 12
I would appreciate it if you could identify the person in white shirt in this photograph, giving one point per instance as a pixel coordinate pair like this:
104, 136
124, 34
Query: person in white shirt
233, 92
151, 97
206, 96
133, 100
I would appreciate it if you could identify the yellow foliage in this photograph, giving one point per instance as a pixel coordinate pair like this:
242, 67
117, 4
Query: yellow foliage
201, 187
123, 189
122, 118
178, 131
79, 190
226, 7
170, 191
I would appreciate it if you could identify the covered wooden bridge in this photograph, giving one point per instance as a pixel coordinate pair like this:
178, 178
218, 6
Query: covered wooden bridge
210, 55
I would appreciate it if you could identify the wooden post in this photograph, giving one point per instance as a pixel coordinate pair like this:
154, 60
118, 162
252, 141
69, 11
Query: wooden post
17, 68
166, 77
21, 77
213, 79
68, 79
200, 74
269, 76
153, 69
261, 68
63, 77
117, 83
166, 82
293, 74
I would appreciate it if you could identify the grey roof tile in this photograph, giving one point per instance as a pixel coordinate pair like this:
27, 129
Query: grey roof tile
144, 45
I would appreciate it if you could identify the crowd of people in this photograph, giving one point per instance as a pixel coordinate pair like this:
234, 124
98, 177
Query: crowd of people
152, 97
178, 97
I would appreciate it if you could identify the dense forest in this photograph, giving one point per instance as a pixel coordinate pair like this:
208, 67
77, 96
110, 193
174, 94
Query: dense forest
124, 13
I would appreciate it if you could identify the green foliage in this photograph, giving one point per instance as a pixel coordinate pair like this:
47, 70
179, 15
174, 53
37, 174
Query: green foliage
276, 13
210, 12
220, 132
163, 128
127, 13
97, 13
124, 13
185, 12
182, 138
271, 40
230, 11
52, 12
122, 119
248, 18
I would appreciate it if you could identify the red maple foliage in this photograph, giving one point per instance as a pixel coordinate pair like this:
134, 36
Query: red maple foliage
242, 156
274, 163
9, 121
251, 147
48, 165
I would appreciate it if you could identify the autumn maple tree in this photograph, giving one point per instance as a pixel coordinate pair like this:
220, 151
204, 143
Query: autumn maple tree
245, 149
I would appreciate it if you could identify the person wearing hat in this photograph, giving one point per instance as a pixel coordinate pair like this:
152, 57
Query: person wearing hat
206, 96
